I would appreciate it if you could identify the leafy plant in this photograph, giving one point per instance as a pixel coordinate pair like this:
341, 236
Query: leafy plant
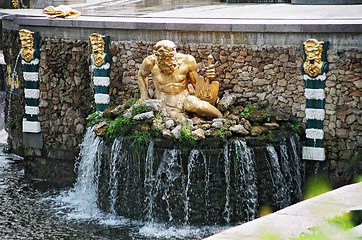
186, 142
120, 127
94, 118
186, 136
142, 138
296, 126
246, 112
139, 109
256, 114
135, 97
220, 133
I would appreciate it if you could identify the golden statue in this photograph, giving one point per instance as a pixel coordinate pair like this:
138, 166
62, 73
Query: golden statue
313, 63
27, 44
171, 74
98, 43
61, 11
12, 82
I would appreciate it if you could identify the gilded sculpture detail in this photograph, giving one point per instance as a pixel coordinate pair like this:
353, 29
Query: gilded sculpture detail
27, 44
171, 73
314, 62
62, 11
98, 53
12, 80
207, 89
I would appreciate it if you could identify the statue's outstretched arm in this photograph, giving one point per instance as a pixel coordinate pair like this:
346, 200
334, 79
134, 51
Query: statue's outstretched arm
192, 75
144, 71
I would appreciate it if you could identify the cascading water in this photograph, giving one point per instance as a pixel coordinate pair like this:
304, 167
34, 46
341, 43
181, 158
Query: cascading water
205, 187
245, 178
297, 168
117, 155
85, 192
280, 193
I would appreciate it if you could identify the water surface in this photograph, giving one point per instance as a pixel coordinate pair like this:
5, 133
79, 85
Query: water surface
32, 209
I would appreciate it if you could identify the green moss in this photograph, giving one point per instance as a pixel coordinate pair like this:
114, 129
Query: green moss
255, 113
186, 142
120, 127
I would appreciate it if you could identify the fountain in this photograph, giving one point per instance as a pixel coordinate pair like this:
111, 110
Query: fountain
206, 173
224, 185
185, 150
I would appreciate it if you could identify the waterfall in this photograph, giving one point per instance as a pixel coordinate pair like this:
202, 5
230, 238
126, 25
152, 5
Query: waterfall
190, 166
296, 167
149, 179
167, 173
242, 158
279, 191
246, 172
206, 186
286, 168
117, 157
227, 210
84, 195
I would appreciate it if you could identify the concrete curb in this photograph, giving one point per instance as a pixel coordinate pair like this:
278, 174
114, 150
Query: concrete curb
296, 219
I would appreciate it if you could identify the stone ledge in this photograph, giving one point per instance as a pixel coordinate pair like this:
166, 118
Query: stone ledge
201, 25
292, 221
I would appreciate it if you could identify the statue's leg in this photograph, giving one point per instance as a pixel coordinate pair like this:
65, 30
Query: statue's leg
200, 107
175, 113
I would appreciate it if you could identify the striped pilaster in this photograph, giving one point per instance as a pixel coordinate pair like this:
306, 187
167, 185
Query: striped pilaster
101, 86
100, 60
315, 112
31, 123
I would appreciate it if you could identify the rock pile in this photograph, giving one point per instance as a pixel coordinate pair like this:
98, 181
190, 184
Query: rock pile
238, 121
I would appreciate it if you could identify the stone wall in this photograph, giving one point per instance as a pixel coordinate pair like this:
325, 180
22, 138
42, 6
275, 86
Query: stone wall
268, 75
66, 92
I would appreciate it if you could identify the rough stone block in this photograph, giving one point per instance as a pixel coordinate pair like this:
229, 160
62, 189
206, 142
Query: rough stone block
33, 140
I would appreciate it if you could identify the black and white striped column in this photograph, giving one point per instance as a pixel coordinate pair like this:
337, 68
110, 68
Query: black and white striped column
101, 86
31, 123
100, 61
314, 114
315, 97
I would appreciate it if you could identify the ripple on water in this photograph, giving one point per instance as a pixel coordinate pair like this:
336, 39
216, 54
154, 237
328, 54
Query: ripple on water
35, 210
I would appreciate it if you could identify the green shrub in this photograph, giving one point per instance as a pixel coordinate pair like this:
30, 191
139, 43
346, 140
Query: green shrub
94, 118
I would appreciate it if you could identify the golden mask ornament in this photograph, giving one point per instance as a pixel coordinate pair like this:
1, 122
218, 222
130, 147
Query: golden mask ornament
313, 63
27, 44
98, 43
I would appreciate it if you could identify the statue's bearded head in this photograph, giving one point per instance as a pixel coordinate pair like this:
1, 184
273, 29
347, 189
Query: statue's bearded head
167, 59
27, 41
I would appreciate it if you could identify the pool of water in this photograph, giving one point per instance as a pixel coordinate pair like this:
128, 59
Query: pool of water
32, 209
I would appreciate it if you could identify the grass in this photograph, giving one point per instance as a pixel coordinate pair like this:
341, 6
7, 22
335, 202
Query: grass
186, 142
